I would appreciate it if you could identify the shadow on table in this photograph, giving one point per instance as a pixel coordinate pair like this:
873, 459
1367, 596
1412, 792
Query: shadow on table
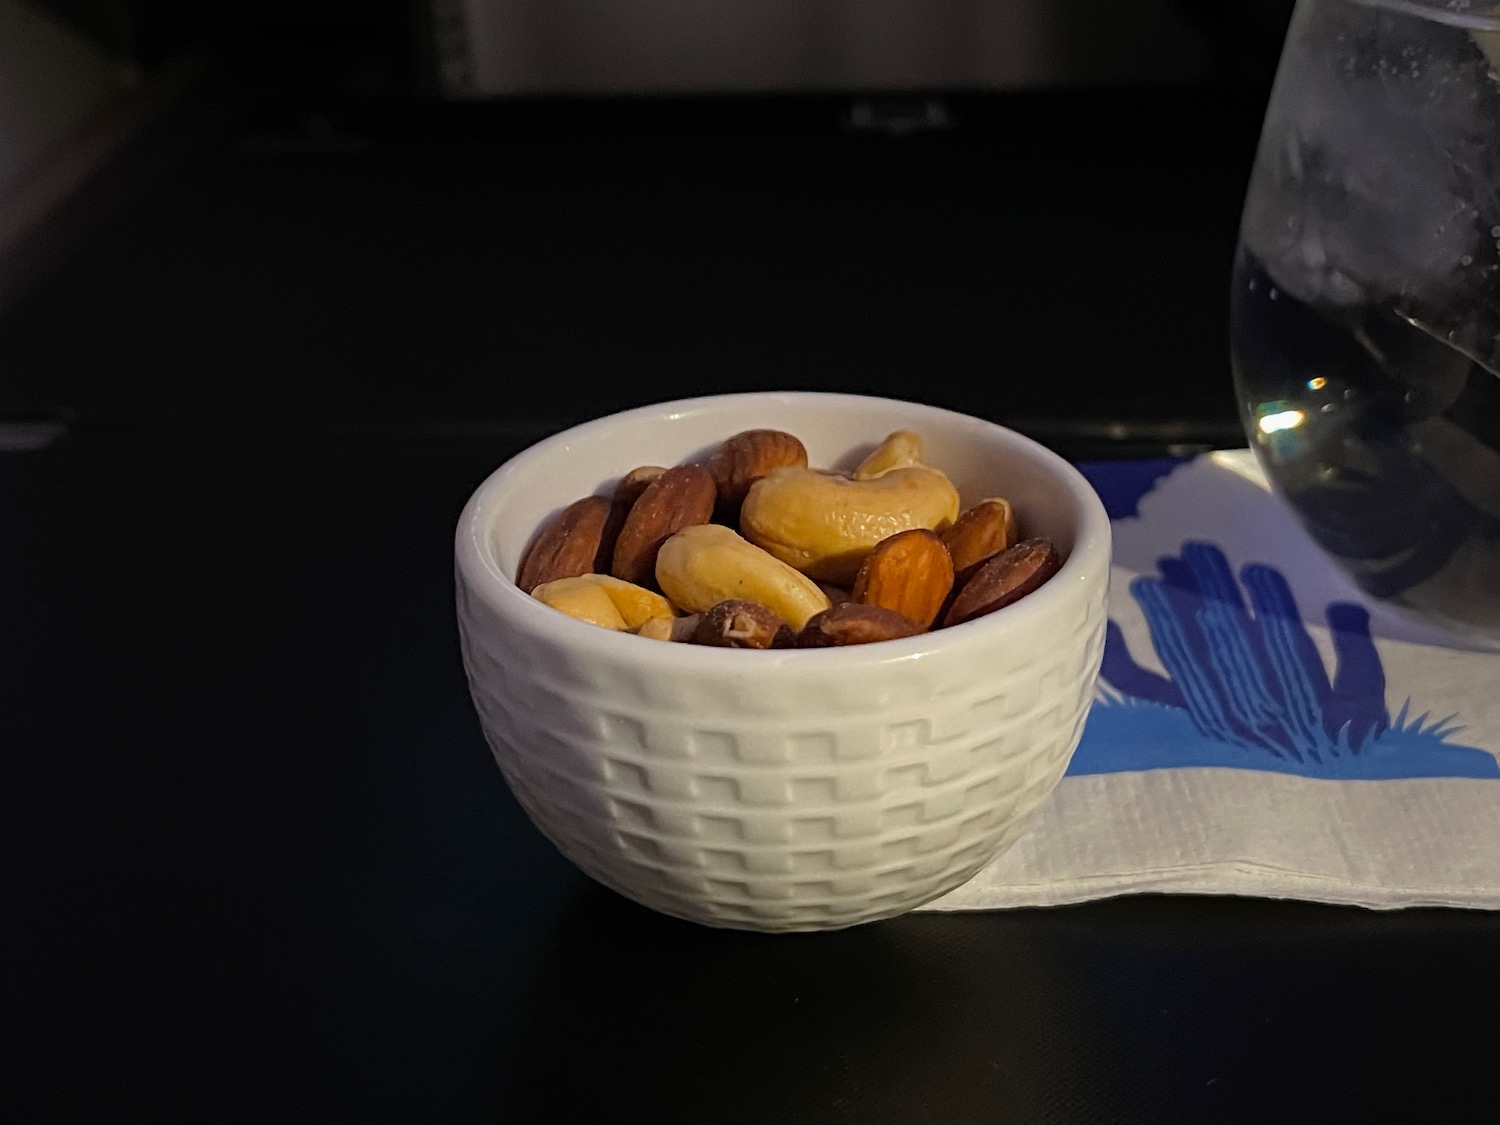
637, 1016
1142, 1008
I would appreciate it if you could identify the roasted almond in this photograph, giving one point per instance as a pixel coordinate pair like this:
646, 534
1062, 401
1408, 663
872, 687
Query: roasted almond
1003, 579
618, 510
680, 497
740, 461
910, 572
855, 624
568, 546
980, 532
633, 483
740, 623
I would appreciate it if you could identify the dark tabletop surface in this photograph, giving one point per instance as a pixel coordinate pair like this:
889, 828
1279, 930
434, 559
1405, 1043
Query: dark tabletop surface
263, 866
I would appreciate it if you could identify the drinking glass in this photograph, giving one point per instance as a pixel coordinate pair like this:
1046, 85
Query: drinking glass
1365, 312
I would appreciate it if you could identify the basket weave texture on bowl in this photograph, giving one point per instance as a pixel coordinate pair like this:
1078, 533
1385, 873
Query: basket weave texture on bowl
783, 789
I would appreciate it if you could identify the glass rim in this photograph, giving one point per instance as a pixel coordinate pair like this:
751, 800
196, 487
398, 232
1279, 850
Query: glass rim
1428, 10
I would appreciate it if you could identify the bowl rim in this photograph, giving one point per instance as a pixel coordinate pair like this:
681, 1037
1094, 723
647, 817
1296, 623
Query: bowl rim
485, 580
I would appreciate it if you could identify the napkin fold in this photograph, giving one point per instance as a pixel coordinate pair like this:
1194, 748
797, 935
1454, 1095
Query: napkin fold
1261, 727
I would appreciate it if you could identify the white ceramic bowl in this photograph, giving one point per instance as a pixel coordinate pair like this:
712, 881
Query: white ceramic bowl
792, 789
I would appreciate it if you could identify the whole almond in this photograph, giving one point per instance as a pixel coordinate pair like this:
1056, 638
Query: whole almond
741, 460
855, 624
739, 623
567, 546
910, 572
680, 497
1003, 579
633, 483
980, 532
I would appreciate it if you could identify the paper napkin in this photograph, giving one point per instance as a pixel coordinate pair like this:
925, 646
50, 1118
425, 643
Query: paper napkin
1261, 727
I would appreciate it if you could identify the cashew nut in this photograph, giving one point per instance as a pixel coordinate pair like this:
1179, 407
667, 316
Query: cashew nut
824, 525
705, 564
900, 450
580, 599
602, 599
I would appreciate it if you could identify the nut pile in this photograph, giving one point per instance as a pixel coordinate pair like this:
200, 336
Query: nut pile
752, 548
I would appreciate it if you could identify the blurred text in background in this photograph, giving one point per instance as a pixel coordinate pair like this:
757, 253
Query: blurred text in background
148, 147
68, 67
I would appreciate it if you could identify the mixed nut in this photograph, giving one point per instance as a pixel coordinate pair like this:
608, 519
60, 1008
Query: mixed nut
752, 548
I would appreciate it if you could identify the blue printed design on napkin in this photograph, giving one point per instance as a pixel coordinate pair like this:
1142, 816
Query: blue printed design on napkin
1121, 484
1250, 690
1245, 685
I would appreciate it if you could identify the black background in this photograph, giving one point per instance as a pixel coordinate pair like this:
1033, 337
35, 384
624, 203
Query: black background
262, 866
